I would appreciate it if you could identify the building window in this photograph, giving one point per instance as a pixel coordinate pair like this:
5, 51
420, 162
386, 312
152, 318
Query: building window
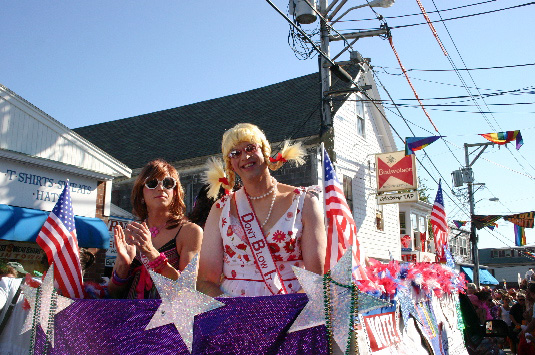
501, 254
361, 127
508, 253
348, 191
414, 222
422, 225
494, 254
402, 223
379, 218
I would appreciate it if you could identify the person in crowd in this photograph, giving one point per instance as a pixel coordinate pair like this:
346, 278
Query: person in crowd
512, 292
471, 290
482, 306
527, 339
254, 236
7, 271
162, 239
203, 204
516, 316
12, 316
504, 310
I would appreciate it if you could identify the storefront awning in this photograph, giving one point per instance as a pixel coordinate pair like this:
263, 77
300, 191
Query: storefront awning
485, 277
23, 225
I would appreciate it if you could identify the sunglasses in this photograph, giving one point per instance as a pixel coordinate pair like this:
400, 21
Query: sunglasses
168, 183
249, 149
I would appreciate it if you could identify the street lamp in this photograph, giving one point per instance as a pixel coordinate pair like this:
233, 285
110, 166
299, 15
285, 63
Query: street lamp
374, 3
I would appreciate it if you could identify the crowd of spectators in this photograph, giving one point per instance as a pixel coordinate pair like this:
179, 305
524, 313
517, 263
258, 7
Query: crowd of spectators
514, 306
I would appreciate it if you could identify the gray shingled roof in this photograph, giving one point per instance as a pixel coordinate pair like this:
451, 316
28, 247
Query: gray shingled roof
289, 109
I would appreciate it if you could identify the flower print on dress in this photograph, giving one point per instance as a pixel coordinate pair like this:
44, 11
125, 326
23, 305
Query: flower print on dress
277, 257
229, 251
274, 247
292, 257
223, 222
289, 246
241, 246
279, 236
289, 214
229, 231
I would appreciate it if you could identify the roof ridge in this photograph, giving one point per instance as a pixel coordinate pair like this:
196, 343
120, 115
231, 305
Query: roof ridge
200, 102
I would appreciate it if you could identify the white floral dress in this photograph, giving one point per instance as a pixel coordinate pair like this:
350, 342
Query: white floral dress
241, 276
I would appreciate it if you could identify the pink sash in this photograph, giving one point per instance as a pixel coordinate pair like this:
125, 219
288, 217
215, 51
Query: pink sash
258, 244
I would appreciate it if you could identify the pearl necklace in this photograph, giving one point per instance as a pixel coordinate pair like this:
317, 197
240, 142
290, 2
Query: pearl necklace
274, 189
273, 183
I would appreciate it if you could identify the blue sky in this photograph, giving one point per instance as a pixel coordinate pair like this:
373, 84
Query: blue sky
90, 62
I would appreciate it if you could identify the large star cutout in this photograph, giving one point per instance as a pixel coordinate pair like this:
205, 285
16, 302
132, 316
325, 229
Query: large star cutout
314, 312
181, 302
44, 304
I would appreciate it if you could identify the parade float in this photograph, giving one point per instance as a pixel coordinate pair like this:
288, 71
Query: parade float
401, 309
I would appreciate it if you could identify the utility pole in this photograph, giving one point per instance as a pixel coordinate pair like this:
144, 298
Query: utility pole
324, 68
468, 177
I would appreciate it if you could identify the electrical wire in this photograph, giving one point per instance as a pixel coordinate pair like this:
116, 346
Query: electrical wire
462, 69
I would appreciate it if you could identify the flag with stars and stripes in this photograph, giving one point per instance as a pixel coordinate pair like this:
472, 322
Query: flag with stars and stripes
439, 224
341, 228
58, 239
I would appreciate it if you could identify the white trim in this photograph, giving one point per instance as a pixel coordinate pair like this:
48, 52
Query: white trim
51, 164
63, 131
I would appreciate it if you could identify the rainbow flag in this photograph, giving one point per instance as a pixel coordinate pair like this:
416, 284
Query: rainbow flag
492, 226
459, 224
505, 137
413, 144
530, 254
520, 236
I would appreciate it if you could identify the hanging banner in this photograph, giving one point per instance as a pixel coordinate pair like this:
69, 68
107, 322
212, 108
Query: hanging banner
524, 220
395, 171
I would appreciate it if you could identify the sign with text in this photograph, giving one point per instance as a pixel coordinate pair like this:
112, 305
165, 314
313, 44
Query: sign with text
418, 257
10, 250
31, 186
397, 197
395, 171
111, 252
382, 330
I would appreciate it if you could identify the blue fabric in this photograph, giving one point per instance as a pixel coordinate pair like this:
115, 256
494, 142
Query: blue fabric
23, 225
485, 277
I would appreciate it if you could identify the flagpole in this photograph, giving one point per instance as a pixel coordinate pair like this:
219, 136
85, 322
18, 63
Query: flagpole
323, 182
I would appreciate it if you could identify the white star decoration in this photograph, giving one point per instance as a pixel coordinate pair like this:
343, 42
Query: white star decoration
44, 304
314, 312
181, 302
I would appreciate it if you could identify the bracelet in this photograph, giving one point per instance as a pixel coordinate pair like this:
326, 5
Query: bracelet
117, 280
158, 262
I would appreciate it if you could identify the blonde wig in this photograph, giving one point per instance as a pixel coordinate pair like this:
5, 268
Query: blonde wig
221, 174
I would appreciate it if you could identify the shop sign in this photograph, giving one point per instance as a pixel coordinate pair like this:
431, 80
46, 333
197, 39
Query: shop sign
384, 199
20, 251
30, 186
395, 171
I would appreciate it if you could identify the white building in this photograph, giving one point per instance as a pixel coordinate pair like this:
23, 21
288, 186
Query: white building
37, 156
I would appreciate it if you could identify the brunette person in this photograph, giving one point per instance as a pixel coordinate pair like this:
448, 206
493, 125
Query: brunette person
162, 239
255, 235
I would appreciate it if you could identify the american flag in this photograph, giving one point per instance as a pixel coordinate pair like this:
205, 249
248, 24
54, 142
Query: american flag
439, 223
341, 228
58, 239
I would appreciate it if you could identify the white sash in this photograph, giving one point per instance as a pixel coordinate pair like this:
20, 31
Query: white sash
258, 244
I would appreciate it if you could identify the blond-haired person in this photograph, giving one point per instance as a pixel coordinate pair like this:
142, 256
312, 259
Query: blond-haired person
255, 235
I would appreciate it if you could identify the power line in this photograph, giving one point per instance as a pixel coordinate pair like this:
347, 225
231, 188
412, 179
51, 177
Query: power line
465, 69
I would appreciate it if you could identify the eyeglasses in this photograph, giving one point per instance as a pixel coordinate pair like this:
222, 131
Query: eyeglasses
167, 183
249, 149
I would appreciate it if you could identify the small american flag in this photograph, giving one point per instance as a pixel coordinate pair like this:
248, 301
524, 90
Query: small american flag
58, 239
341, 228
439, 223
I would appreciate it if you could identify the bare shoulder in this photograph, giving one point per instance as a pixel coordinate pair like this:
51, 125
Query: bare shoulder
190, 235
191, 228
